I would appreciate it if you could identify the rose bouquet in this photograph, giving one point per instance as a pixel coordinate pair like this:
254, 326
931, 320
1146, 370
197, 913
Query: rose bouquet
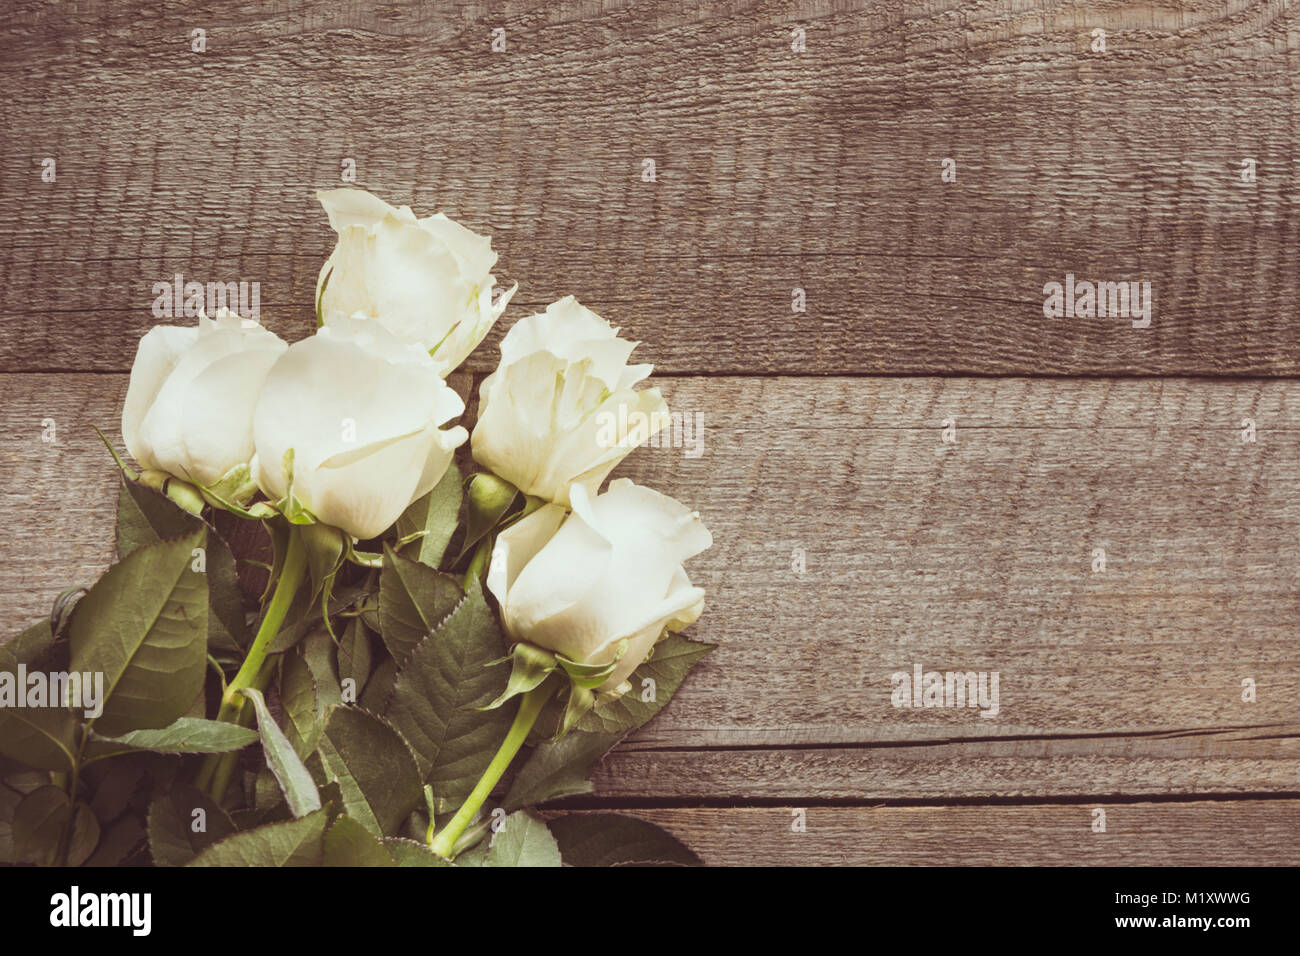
328, 641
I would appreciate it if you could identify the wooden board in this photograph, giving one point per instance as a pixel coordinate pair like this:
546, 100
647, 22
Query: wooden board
774, 170
970, 556
1152, 834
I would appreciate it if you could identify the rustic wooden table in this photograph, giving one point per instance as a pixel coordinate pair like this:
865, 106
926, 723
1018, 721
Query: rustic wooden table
919, 171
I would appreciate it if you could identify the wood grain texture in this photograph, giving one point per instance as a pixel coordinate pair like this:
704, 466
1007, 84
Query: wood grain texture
1150, 834
774, 170
972, 556
778, 169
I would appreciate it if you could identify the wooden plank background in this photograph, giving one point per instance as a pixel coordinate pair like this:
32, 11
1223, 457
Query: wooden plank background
778, 169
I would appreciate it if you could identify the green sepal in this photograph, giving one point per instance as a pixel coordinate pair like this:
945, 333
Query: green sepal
181, 492
233, 492
591, 676
63, 607
365, 559
480, 560
325, 546
126, 470
581, 700
289, 505
320, 298
531, 504
531, 666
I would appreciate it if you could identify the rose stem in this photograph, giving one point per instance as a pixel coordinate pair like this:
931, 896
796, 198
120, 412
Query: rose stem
529, 708
232, 702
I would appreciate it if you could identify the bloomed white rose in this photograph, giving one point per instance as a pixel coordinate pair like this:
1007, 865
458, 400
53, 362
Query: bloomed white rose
612, 571
561, 410
427, 281
360, 411
189, 404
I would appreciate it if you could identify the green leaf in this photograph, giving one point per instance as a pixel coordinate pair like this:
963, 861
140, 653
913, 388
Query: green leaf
672, 660
183, 822
84, 837
373, 767
187, 735
268, 798
379, 688
409, 853
114, 784
436, 690
559, 768
38, 824
146, 516
413, 600
227, 628
9, 800
295, 782
302, 718
305, 616
297, 842
41, 737
433, 518
308, 689
523, 840
611, 839
318, 653
348, 843
119, 840
144, 625
354, 657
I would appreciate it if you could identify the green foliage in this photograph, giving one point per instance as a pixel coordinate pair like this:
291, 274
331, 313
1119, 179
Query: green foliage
295, 782
348, 843
428, 523
298, 842
433, 700
672, 660
41, 737
186, 735
146, 516
414, 599
559, 768
522, 840
144, 627
374, 692
183, 822
373, 767
611, 839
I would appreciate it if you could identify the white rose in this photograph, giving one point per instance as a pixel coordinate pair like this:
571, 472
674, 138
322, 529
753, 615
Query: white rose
427, 281
189, 405
560, 409
609, 572
361, 412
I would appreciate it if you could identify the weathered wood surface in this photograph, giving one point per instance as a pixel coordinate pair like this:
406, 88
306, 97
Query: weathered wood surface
1150, 834
975, 555
774, 170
